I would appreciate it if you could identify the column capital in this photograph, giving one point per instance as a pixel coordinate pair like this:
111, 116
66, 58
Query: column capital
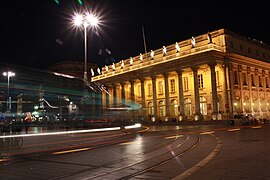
179, 71
194, 68
166, 74
212, 64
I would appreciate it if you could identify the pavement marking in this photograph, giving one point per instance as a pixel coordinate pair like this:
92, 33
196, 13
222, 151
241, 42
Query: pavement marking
202, 163
207, 132
256, 127
71, 151
173, 137
127, 143
143, 130
236, 129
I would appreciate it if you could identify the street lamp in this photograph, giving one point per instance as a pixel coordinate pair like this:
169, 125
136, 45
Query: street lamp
85, 21
9, 74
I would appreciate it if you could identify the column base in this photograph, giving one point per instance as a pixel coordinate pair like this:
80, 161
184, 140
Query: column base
198, 117
182, 117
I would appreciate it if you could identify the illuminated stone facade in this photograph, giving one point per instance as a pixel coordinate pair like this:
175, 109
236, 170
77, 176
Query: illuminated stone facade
212, 76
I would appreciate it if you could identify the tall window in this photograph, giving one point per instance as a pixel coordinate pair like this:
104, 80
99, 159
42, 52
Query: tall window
217, 78
172, 82
174, 108
185, 84
235, 77
244, 79
149, 89
260, 81
160, 87
252, 80
203, 105
188, 109
200, 80
162, 110
266, 82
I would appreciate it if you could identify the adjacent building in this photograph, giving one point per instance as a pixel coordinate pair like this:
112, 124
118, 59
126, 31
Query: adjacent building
211, 76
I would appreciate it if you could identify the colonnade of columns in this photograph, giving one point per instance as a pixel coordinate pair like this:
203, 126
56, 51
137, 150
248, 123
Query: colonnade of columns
180, 99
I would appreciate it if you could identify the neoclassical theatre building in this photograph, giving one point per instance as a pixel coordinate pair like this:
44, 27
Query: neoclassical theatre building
212, 76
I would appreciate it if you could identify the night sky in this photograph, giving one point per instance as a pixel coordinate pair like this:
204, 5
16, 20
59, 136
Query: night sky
39, 33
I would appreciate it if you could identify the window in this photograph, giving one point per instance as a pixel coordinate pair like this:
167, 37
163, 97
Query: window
217, 78
252, 80
185, 84
160, 87
188, 110
174, 108
244, 79
232, 45
260, 81
266, 82
172, 82
203, 105
162, 110
149, 88
249, 50
235, 76
200, 80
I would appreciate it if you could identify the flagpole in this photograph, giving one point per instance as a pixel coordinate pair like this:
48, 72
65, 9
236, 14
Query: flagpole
144, 43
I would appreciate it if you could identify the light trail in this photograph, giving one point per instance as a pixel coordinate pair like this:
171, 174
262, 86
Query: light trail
72, 132
71, 151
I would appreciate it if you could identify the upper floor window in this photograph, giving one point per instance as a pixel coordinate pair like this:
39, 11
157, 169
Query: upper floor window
244, 79
241, 47
172, 82
252, 80
235, 77
232, 45
260, 81
200, 80
185, 80
160, 87
249, 50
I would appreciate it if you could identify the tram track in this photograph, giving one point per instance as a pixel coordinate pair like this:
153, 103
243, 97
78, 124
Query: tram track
164, 156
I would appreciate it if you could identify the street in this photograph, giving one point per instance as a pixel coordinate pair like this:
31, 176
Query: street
150, 152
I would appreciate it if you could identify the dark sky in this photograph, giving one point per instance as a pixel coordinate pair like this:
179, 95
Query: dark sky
39, 33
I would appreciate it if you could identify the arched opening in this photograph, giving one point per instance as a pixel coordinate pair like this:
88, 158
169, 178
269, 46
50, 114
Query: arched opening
187, 104
203, 105
150, 109
174, 108
162, 110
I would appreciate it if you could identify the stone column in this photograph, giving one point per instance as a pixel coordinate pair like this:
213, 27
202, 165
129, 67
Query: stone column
181, 96
132, 95
123, 97
107, 97
114, 95
229, 83
142, 93
167, 95
214, 90
198, 114
154, 90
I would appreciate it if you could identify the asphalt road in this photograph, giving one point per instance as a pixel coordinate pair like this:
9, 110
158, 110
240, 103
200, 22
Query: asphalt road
155, 152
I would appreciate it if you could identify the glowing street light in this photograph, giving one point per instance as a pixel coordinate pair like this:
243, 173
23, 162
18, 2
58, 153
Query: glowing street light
9, 74
85, 21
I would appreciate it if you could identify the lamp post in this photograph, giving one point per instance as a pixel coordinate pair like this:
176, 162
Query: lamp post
8, 74
85, 21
